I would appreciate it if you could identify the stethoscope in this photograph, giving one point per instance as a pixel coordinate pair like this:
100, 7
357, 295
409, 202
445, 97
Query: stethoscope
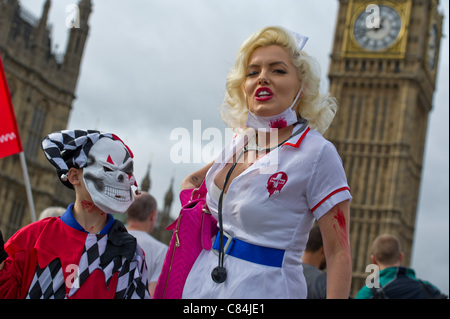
219, 274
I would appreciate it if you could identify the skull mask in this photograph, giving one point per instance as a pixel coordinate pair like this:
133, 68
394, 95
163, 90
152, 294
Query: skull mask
108, 176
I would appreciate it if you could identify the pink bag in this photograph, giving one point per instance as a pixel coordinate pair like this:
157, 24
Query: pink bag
194, 228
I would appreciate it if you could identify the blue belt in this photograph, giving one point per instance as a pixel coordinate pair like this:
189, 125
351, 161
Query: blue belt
256, 254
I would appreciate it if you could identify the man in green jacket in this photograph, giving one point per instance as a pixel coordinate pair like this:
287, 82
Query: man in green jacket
395, 281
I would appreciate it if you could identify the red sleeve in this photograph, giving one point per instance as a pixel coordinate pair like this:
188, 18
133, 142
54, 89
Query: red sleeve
20, 266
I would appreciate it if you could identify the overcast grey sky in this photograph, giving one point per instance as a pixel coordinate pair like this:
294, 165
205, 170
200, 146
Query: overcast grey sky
153, 66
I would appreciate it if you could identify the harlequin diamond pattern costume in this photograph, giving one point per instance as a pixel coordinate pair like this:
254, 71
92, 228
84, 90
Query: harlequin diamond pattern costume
56, 258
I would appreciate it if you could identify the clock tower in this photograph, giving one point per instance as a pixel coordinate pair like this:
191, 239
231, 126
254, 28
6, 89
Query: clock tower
383, 74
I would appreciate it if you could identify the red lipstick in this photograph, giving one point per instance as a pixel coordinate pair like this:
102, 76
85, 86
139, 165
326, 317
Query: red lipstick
263, 94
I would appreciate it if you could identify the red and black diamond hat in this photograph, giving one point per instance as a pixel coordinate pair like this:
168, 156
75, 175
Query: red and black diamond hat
70, 148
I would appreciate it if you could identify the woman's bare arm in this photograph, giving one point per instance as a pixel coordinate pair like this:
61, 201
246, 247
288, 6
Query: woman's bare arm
195, 179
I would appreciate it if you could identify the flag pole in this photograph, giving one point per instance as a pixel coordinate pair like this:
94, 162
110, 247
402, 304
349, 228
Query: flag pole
23, 163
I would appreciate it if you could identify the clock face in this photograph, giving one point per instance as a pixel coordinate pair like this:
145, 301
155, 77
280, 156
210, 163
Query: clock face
377, 29
432, 47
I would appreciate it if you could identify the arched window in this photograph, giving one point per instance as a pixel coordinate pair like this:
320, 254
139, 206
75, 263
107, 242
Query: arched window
35, 129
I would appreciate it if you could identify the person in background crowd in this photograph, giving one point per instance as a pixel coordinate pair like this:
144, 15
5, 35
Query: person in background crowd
396, 281
142, 216
313, 265
53, 211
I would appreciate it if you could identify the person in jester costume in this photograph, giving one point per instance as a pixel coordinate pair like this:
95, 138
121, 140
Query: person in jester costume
85, 253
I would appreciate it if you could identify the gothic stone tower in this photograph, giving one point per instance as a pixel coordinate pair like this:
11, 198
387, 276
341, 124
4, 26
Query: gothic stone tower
383, 73
164, 218
42, 85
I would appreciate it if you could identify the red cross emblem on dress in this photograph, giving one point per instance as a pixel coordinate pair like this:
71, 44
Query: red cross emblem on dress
276, 182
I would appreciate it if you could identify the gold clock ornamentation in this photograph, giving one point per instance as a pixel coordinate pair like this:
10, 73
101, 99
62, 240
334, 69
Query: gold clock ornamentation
376, 30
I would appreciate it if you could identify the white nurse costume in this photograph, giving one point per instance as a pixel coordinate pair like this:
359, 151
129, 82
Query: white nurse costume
272, 205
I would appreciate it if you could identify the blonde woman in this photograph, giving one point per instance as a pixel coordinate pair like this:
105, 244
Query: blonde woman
265, 191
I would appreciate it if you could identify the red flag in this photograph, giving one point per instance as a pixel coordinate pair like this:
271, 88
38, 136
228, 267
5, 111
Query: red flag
9, 134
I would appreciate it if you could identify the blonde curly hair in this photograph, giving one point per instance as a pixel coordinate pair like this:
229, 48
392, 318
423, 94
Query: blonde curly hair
319, 109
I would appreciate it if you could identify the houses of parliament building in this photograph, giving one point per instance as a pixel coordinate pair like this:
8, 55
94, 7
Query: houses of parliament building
42, 86
382, 71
